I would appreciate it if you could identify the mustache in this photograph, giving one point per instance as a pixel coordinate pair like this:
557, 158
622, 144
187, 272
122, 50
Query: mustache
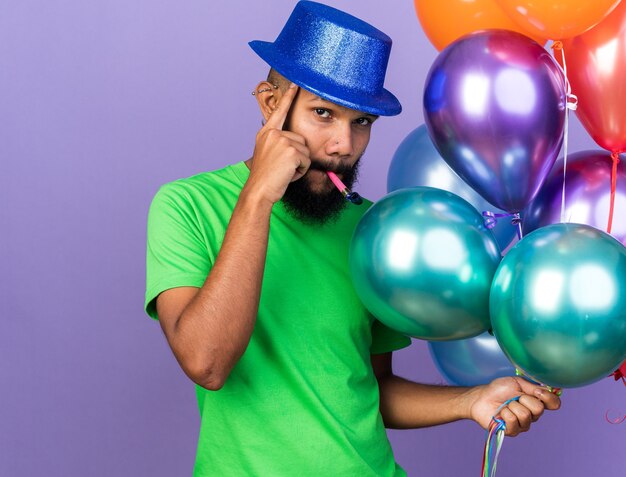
337, 168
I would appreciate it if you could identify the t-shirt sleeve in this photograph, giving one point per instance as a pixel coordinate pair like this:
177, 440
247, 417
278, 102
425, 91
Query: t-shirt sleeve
384, 339
176, 254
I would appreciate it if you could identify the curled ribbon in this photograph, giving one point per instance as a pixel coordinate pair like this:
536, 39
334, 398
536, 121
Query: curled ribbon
617, 420
490, 220
618, 374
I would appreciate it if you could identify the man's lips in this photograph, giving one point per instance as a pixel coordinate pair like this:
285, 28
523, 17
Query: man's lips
340, 171
324, 172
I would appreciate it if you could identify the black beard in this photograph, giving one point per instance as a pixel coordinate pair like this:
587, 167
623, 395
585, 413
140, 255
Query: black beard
319, 208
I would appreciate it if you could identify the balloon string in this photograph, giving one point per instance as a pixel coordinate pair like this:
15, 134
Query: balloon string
571, 103
497, 428
618, 374
494, 440
491, 219
615, 157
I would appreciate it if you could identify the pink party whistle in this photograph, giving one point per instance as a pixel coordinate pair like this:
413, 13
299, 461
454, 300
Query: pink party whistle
351, 196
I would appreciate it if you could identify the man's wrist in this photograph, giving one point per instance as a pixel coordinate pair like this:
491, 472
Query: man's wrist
253, 199
466, 400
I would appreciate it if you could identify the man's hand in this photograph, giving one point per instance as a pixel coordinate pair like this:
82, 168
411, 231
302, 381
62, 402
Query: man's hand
280, 157
517, 415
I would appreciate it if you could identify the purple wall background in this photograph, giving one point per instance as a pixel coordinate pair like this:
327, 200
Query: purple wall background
100, 103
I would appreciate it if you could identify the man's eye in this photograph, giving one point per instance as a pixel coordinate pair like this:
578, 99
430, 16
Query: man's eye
363, 121
322, 113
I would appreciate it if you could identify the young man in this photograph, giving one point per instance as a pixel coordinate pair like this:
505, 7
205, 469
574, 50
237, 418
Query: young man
248, 276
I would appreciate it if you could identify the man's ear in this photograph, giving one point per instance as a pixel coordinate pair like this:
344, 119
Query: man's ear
267, 96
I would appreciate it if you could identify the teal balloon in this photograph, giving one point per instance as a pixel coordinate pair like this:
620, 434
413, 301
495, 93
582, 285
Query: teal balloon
558, 305
422, 262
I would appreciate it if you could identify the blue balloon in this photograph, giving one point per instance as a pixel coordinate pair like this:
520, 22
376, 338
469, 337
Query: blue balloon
472, 361
417, 163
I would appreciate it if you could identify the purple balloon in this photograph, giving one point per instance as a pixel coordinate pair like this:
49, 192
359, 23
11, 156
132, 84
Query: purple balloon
494, 105
587, 195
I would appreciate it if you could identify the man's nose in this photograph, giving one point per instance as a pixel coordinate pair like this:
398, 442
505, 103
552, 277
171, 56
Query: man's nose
340, 141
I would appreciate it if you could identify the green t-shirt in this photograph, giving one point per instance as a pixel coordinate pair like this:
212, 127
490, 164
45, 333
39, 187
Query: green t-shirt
303, 399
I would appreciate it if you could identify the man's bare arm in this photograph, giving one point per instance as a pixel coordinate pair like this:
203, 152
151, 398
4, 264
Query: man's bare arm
406, 405
209, 328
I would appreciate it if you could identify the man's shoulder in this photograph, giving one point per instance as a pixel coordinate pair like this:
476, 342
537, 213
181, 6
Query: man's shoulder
204, 184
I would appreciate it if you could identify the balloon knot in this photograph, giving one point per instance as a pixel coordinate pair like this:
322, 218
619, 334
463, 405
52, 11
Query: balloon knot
572, 102
557, 45
553, 390
618, 375
491, 218
615, 157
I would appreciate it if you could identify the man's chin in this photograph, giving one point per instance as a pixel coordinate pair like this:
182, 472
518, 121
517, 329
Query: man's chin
313, 206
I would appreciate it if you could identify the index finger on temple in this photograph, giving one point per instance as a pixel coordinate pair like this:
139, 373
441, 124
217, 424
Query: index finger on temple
277, 119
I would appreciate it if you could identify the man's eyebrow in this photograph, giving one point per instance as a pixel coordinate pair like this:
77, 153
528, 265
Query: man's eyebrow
317, 98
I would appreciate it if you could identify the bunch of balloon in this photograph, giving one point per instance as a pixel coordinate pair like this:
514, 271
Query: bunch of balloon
493, 104
558, 305
422, 262
596, 62
416, 162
